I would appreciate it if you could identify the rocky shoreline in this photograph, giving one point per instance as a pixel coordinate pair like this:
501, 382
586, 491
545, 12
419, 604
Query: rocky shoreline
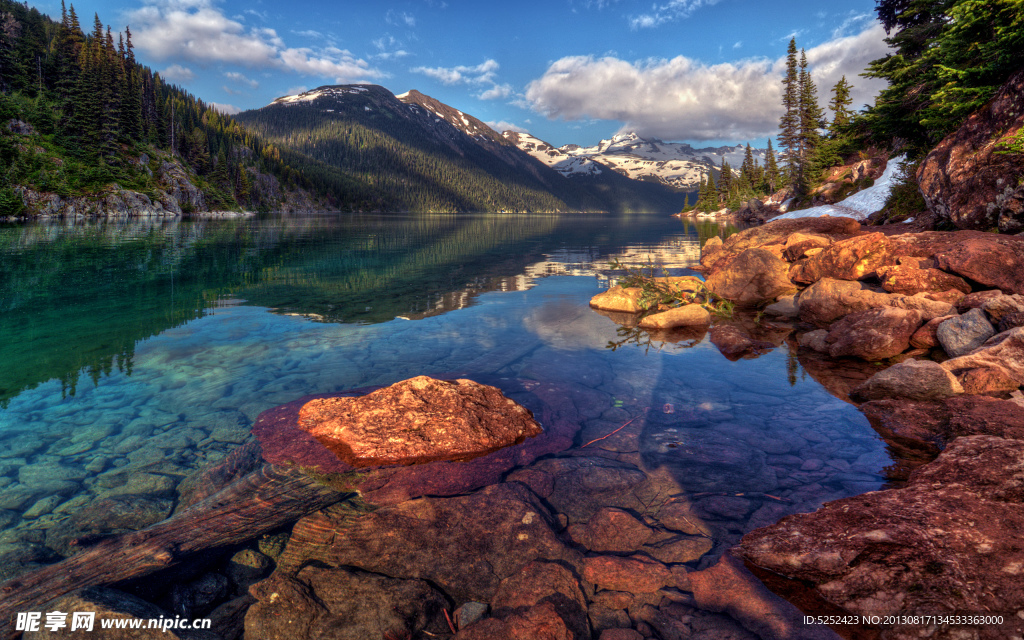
939, 315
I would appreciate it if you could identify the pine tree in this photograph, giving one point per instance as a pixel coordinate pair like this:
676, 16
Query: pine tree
789, 124
811, 120
711, 203
841, 100
771, 170
725, 182
747, 170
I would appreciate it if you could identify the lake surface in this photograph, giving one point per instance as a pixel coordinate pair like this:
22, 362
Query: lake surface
134, 353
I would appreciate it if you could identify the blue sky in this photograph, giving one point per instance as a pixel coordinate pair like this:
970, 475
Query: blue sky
700, 71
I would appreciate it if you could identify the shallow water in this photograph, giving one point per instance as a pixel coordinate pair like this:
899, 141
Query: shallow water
135, 353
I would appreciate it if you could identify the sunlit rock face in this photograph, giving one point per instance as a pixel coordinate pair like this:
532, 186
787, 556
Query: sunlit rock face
418, 420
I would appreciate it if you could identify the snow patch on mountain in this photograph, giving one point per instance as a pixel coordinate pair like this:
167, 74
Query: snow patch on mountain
673, 163
310, 96
861, 204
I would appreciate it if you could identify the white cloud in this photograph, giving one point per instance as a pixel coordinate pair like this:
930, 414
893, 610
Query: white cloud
178, 73
502, 126
309, 33
483, 74
197, 30
226, 109
684, 99
738, 45
668, 12
480, 74
234, 76
497, 92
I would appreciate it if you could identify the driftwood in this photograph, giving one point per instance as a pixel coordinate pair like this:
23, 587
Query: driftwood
257, 503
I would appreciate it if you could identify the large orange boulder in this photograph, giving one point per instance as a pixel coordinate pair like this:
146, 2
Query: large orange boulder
972, 178
851, 259
753, 277
418, 420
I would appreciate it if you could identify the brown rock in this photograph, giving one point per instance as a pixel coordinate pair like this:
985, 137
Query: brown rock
680, 549
913, 379
778, 231
688, 315
1003, 352
991, 260
734, 343
929, 308
851, 259
983, 381
950, 296
466, 544
976, 300
712, 246
544, 583
679, 515
636, 574
911, 280
113, 606
541, 622
922, 429
618, 298
340, 603
828, 299
798, 243
612, 530
728, 587
418, 420
753, 277
1011, 321
1000, 306
620, 634
946, 542
967, 180
925, 338
874, 334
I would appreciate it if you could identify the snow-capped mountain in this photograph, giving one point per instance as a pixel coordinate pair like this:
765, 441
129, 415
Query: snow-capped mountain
672, 163
412, 152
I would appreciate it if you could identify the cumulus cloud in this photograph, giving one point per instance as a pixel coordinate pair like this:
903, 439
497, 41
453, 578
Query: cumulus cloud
668, 12
199, 31
178, 73
226, 109
497, 92
684, 99
480, 74
502, 126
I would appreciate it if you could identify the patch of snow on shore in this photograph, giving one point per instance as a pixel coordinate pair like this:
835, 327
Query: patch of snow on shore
861, 204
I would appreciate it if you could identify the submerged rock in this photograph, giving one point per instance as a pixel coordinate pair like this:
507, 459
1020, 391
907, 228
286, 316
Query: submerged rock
734, 344
418, 420
945, 543
345, 604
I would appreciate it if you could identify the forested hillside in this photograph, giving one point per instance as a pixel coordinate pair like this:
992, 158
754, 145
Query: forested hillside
418, 161
97, 120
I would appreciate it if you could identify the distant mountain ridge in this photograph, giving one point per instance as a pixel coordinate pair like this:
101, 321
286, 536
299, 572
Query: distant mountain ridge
415, 153
675, 164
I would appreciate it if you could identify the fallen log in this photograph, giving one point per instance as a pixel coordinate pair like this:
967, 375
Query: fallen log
257, 503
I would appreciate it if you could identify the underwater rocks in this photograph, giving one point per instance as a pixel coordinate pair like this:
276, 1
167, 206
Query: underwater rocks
418, 420
947, 542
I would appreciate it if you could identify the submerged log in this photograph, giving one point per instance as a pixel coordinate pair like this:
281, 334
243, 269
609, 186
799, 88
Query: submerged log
257, 503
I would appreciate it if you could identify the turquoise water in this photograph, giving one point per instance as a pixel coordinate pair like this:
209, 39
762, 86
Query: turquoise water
135, 353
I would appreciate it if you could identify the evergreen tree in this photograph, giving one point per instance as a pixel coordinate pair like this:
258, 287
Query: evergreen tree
811, 120
789, 124
711, 202
747, 170
725, 181
840, 106
772, 177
